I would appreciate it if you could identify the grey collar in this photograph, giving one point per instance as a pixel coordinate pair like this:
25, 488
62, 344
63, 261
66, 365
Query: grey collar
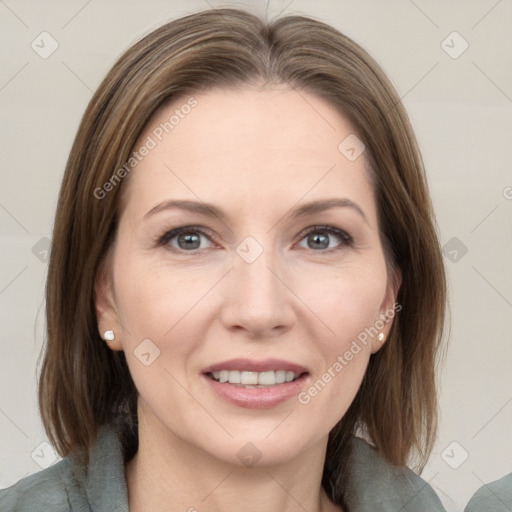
373, 483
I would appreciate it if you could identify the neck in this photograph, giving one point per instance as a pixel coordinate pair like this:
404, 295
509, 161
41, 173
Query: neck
168, 473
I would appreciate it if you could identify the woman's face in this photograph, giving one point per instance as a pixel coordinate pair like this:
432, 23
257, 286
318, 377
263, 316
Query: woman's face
272, 275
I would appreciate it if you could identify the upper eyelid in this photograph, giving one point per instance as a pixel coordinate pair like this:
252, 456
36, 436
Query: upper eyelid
185, 229
325, 227
343, 234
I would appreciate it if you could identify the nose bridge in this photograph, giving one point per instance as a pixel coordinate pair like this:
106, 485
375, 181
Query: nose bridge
258, 300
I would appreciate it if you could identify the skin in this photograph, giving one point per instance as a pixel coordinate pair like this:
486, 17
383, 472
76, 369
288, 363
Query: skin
256, 153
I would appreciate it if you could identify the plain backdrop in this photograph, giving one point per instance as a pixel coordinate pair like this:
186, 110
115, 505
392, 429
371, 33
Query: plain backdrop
460, 103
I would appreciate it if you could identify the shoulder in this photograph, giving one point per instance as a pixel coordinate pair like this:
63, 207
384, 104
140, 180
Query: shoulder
375, 484
42, 491
495, 496
69, 485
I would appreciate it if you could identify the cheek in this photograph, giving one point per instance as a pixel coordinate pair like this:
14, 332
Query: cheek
347, 299
155, 307
160, 304
153, 298
355, 303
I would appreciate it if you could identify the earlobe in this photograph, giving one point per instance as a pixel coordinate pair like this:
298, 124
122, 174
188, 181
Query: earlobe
388, 310
106, 314
378, 342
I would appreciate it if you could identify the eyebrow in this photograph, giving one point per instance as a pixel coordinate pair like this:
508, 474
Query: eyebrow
210, 210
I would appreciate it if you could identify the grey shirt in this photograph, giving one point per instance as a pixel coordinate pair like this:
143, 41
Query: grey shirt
496, 496
373, 484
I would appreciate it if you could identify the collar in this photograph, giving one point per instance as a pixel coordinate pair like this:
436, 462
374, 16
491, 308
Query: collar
373, 483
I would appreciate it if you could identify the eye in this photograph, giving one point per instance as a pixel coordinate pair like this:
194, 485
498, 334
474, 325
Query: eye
320, 237
187, 238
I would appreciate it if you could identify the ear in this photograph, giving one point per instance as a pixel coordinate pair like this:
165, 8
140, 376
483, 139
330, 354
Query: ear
389, 307
104, 303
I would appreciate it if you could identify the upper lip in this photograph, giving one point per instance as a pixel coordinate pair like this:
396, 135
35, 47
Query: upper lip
249, 365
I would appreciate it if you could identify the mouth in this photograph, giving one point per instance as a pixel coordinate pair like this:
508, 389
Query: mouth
256, 384
256, 389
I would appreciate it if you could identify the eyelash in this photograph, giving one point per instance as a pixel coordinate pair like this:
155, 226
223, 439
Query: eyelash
346, 239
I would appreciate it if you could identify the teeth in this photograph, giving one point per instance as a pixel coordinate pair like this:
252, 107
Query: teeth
266, 378
248, 378
233, 377
244, 378
289, 376
280, 376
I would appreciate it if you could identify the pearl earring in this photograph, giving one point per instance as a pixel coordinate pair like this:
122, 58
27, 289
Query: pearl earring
109, 335
381, 336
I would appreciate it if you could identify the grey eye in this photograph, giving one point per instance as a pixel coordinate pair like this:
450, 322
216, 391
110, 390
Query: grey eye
330, 238
317, 241
189, 241
185, 239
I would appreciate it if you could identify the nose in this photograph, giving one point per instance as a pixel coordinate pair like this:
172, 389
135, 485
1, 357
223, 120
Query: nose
258, 300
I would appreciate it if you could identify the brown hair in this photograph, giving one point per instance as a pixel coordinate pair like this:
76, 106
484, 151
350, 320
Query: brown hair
83, 384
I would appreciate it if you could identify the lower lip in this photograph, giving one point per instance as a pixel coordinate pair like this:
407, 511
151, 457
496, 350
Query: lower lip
256, 398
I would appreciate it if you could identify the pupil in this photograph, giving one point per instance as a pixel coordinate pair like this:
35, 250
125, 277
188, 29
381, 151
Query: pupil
189, 241
323, 239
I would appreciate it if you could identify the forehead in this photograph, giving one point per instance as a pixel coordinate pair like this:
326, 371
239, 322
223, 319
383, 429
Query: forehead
257, 146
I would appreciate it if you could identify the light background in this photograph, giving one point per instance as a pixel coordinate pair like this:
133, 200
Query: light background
461, 109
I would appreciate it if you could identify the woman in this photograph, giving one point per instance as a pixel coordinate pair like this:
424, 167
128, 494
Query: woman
244, 275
